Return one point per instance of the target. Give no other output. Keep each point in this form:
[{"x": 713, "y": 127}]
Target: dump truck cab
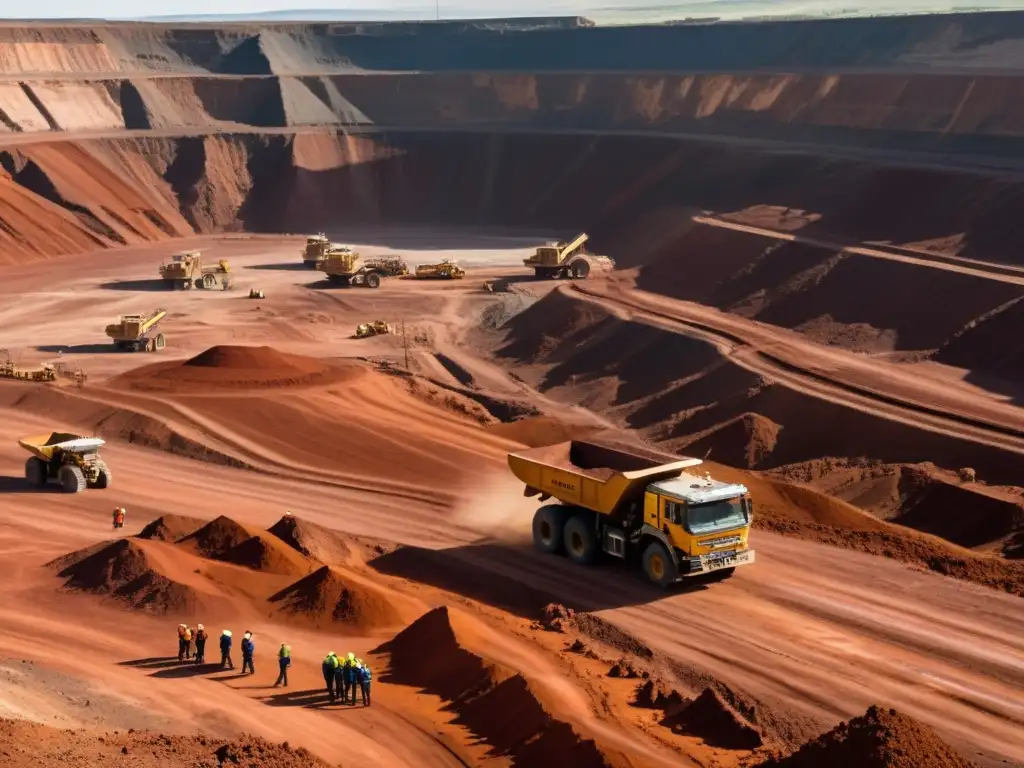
[
  {"x": 705, "y": 522},
  {"x": 316, "y": 249},
  {"x": 637, "y": 504}
]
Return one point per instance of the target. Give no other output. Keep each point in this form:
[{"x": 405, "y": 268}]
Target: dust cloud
[{"x": 494, "y": 506}]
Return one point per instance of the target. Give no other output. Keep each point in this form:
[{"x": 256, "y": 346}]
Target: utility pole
[
  {"x": 437, "y": 10},
  {"x": 405, "y": 346}
]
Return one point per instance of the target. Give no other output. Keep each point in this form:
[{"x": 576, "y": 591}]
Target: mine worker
[
  {"x": 225, "y": 650},
  {"x": 182, "y": 643},
  {"x": 119, "y": 513},
  {"x": 200, "y": 639},
  {"x": 284, "y": 660},
  {"x": 248, "y": 649},
  {"x": 188, "y": 641},
  {"x": 345, "y": 672},
  {"x": 365, "y": 676},
  {"x": 330, "y": 670}
]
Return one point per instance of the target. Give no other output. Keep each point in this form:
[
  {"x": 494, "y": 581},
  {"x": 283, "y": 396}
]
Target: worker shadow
[
  {"x": 313, "y": 698},
  {"x": 78, "y": 349},
  {"x": 501, "y": 574},
  {"x": 153, "y": 663},
  {"x": 186, "y": 669},
  {"x": 154, "y": 284}
]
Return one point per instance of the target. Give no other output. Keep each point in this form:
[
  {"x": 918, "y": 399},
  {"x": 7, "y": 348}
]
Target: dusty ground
[{"x": 813, "y": 633}]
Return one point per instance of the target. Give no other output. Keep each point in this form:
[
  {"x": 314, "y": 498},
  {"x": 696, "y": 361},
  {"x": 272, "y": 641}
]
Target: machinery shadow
[
  {"x": 288, "y": 267},
  {"x": 78, "y": 349},
  {"x": 504, "y": 576},
  {"x": 153, "y": 284},
  {"x": 501, "y": 284},
  {"x": 10, "y": 484}
]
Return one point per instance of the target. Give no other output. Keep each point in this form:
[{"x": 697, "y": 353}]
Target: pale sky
[{"x": 606, "y": 11}]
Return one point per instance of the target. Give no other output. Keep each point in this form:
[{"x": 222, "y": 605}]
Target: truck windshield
[{"x": 715, "y": 516}]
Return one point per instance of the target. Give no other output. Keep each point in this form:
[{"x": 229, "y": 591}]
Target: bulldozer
[
  {"x": 71, "y": 460},
  {"x": 376, "y": 328},
  {"x": 134, "y": 333},
  {"x": 445, "y": 270},
  {"x": 342, "y": 266},
  {"x": 555, "y": 260},
  {"x": 186, "y": 270},
  {"x": 256, "y": 293}
]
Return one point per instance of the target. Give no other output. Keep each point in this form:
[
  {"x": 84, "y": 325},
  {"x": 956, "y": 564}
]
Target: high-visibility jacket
[
  {"x": 284, "y": 652},
  {"x": 331, "y": 662}
]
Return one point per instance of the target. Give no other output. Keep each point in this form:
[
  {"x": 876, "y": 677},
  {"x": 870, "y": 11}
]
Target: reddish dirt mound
[
  {"x": 516, "y": 723},
  {"x": 28, "y": 745},
  {"x": 239, "y": 368},
  {"x": 216, "y": 538},
  {"x": 266, "y": 554},
  {"x": 171, "y": 527},
  {"x": 542, "y": 430},
  {"x": 745, "y": 441},
  {"x": 880, "y": 738},
  {"x": 711, "y": 718},
  {"x": 124, "y": 571},
  {"x": 327, "y": 545},
  {"x": 326, "y": 598},
  {"x": 447, "y": 670}
]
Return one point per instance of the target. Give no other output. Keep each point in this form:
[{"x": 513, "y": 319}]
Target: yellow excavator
[{"x": 134, "y": 333}]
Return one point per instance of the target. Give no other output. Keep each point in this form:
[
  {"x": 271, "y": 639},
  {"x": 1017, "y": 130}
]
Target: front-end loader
[
  {"x": 443, "y": 270},
  {"x": 569, "y": 259},
  {"x": 135, "y": 333},
  {"x": 375, "y": 328},
  {"x": 71, "y": 460}
]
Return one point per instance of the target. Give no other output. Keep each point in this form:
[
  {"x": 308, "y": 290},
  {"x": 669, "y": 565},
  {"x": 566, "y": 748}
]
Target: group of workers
[{"x": 343, "y": 677}]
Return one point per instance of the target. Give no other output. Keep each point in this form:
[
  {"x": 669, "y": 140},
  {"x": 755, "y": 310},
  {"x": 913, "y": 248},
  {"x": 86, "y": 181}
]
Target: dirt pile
[
  {"x": 231, "y": 367},
  {"x": 880, "y": 738},
  {"x": 449, "y": 670},
  {"x": 216, "y": 538},
  {"x": 328, "y": 598},
  {"x": 28, "y": 745},
  {"x": 123, "y": 570},
  {"x": 266, "y": 554},
  {"x": 326, "y": 545},
  {"x": 171, "y": 527},
  {"x": 498, "y": 704},
  {"x": 712, "y": 719},
  {"x": 536, "y": 431},
  {"x": 745, "y": 441}
]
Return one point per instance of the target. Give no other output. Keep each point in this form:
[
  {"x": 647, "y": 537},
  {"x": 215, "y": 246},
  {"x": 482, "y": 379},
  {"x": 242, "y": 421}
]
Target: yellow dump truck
[
  {"x": 134, "y": 333},
  {"x": 317, "y": 247},
  {"x": 569, "y": 259},
  {"x": 445, "y": 270},
  {"x": 186, "y": 270},
  {"x": 636, "y": 505},
  {"x": 72, "y": 460},
  {"x": 342, "y": 265}
]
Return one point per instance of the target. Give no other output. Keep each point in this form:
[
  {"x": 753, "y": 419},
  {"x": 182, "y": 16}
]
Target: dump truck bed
[
  {"x": 43, "y": 445},
  {"x": 591, "y": 475}
]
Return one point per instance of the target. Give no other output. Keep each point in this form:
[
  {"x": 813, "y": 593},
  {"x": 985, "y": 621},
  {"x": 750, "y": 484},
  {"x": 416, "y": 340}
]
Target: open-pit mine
[{"x": 330, "y": 311}]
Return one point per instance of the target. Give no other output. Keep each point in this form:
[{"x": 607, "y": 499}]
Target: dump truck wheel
[
  {"x": 35, "y": 472},
  {"x": 161, "y": 341},
  {"x": 548, "y": 529},
  {"x": 102, "y": 480},
  {"x": 209, "y": 281},
  {"x": 579, "y": 269},
  {"x": 580, "y": 539},
  {"x": 659, "y": 565},
  {"x": 373, "y": 280},
  {"x": 150, "y": 345},
  {"x": 71, "y": 479}
]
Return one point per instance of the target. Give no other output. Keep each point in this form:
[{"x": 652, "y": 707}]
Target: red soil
[
  {"x": 266, "y": 554},
  {"x": 124, "y": 571},
  {"x": 880, "y": 738},
  {"x": 171, "y": 527},
  {"x": 28, "y": 745},
  {"x": 216, "y": 538},
  {"x": 327, "y": 545},
  {"x": 715, "y": 721},
  {"x": 329, "y": 598},
  {"x": 238, "y": 368}
]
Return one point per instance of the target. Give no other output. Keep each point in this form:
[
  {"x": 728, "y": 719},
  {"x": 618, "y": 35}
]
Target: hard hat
[
  {"x": 199, "y": 626},
  {"x": 330, "y": 653},
  {"x": 352, "y": 656},
  {"x": 227, "y": 632}
]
